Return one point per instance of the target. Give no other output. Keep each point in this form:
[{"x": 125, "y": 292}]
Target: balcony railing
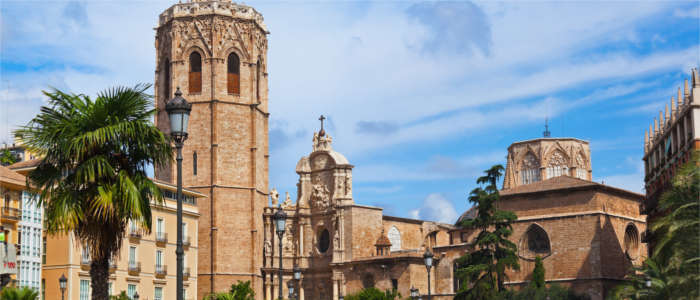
[
  {"x": 186, "y": 241},
  {"x": 85, "y": 262},
  {"x": 186, "y": 274},
  {"x": 11, "y": 213},
  {"x": 134, "y": 233},
  {"x": 161, "y": 270},
  {"x": 112, "y": 266},
  {"x": 161, "y": 237},
  {"x": 134, "y": 267}
]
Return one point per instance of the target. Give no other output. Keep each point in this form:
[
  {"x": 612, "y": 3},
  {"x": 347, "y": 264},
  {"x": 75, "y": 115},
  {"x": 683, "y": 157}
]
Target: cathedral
[{"x": 215, "y": 53}]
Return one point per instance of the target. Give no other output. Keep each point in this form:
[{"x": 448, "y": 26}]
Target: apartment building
[
  {"x": 12, "y": 185},
  {"x": 146, "y": 263},
  {"x": 30, "y": 232}
]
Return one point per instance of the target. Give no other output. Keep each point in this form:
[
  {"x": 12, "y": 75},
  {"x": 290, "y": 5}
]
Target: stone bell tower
[{"x": 215, "y": 52}]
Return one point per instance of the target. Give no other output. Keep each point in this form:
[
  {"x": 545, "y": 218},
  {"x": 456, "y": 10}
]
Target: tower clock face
[{"x": 324, "y": 240}]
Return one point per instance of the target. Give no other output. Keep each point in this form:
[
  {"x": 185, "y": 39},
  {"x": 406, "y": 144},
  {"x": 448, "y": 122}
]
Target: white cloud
[
  {"x": 687, "y": 13},
  {"x": 436, "y": 208}
]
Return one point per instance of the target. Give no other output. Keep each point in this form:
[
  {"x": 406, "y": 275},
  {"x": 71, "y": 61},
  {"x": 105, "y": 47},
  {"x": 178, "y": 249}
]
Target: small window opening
[{"x": 195, "y": 80}]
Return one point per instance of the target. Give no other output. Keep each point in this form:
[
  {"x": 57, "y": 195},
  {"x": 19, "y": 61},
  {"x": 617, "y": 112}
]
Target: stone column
[
  {"x": 268, "y": 295},
  {"x": 301, "y": 288},
  {"x": 335, "y": 289}
]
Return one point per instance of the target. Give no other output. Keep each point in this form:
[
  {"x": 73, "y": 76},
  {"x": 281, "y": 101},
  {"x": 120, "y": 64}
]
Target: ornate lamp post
[
  {"x": 414, "y": 293},
  {"x": 290, "y": 289},
  {"x": 178, "y": 110},
  {"x": 280, "y": 218},
  {"x": 428, "y": 258},
  {"x": 297, "y": 278},
  {"x": 62, "y": 284}
]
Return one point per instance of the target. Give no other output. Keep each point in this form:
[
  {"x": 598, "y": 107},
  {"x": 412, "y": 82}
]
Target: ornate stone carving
[
  {"x": 320, "y": 196},
  {"x": 267, "y": 249},
  {"x": 530, "y": 162},
  {"x": 580, "y": 162},
  {"x": 336, "y": 240},
  {"x": 274, "y": 197},
  {"x": 340, "y": 187},
  {"x": 322, "y": 142},
  {"x": 557, "y": 159},
  {"x": 287, "y": 201},
  {"x": 320, "y": 162},
  {"x": 348, "y": 184}
]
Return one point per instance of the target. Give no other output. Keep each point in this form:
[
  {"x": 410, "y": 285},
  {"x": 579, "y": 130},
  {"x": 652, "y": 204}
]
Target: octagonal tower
[
  {"x": 540, "y": 159},
  {"x": 216, "y": 53}
]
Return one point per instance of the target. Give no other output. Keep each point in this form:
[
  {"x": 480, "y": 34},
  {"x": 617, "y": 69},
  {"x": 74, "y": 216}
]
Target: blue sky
[{"x": 421, "y": 96}]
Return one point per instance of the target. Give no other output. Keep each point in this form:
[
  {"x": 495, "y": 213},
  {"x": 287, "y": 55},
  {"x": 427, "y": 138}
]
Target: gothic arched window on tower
[
  {"x": 535, "y": 242},
  {"x": 194, "y": 163},
  {"x": 233, "y": 78},
  {"x": 529, "y": 171},
  {"x": 195, "y": 80},
  {"x": 631, "y": 242},
  {"x": 166, "y": 79},
  {"x": 257, "y": 80}
]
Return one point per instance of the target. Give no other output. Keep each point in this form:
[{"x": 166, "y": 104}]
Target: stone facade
[
  {"x": 540, "y": 159},
  {"x": 669, "y": 143},
  {"x": 216, "y": 53}
]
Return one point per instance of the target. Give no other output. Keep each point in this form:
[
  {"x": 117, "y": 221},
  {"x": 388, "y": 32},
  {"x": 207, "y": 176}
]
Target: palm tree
[
  {"x": 673, "y": 270},
  {"x": 92, "y": 180},
  {"x": 25, "y": 293}
]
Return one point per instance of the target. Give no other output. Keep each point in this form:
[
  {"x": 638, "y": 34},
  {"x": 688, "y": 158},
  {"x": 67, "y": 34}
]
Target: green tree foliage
[
  {"x": 13, "y": 293},
  {"x": 239, "y": 291},
  {"x": 6, "y": 158},
  {"x": 553, "y": 292},
  {"x": 538, "y": 274},
  {"x": 483, "y": 270},
  {"x": 673, "y": 270},
  {"x": 374, "y": 294},
  {"x": 242, "y": 291},
  {"x": 92, "y": 180},
  {"x": 121, "y": 296}
]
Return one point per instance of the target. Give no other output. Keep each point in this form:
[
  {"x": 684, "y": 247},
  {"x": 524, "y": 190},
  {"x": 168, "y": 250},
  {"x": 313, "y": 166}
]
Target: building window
[
  {"x": 166, "y": 79},
  {"x": 395, "y": 239},
  {"x": 160, "y": 228},
  {"x": 581, "y": 173},
  {"x": 631, "y": 242},
  {"x": 43, "y": 289},
  {"x": 109, "y": 289},
  {"x": 195, "y": 79},
  {"x": 456, "y": 280},
  {"x": 394, "y": 284},
  {"x": 131, "y": 290},
  {"x": 233, "y": 79},
  {"x": 324, "y": 241},
  {"x": 257, "y": 80},
  {"x": 132, "y": 256},
  {"x": 535, "y": 243},
  {"x": 84, "y": 289},
  {"x": 555, "y": 171},
  {"x": 194, "y": 163},
  {"x": 43, "y": 252},
  {"x": 530, "y": 171},
  {"x": 159, "y": 261},
  {"x": 158, "y": 294}
]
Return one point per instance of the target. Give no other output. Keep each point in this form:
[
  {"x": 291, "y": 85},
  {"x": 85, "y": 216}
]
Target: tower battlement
[{"x": 224, "y": 8}]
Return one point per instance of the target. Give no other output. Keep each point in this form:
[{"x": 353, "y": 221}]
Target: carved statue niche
[
  {"x": 267, "y": 249},
  {"x": 287, "y": 201},
  {"x": 288, "y": 245},
  {"x": 320, "y": 195}
]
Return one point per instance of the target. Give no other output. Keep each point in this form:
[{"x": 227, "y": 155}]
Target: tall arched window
[
  {"x": 535, "y": 242},
  {"x": 529, "y": 171},
  {"x": 557, "y": 165},
  {"x": 395, "y": 238},
  {"x": 195, "y": 73},
  {"x": 631, "y": 242},
  {"x": 166, "y": 79},
  {"x": 233, "y": 78},
  {"x": 257, "y": 80},
  {"x": 194, "y": 163}
]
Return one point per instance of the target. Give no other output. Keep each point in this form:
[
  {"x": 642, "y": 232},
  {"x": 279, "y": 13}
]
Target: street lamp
[
  {"x": 414, "y": 293},
  {"x": 178, "y": 110},
  {"x": 136, "y": 296},
  {"x": 428, "y": 258},
  {"x": 280, "y": 218},
  {"x": 62, "y": 283},
  {"x": 297, "y": 278},
  {"x": 290, "y": 289}
]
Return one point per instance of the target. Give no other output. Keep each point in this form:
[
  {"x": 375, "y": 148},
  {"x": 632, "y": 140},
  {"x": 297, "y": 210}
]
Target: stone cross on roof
[{"x": 321, "y": 132}]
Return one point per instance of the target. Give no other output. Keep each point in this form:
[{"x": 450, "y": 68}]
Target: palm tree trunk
[{"x": 99, "y": 273}]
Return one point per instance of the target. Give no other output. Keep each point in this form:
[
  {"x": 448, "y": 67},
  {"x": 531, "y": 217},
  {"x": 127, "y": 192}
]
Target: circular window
[{"x": 324, "y": 241}]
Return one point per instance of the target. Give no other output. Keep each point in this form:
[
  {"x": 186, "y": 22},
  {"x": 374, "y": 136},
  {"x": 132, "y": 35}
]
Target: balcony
[
  {"x": 134, "y": 268},
  {"x": 85, "y": 262},
  {"x": 186, "y": 241},
  {"x": 161, "y": 271},
  {"x": 186, "y": 274},
  {"x": 134, "y": 234},
  {"x": 112, "y": 266},
  {"x": 161, "y": 238},
  {"x": 11, "y": 214}
]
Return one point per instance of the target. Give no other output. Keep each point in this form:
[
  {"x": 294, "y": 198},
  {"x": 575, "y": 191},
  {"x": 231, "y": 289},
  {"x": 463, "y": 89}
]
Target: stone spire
[
  {"x": 673, "y": 108},
  {"x": 646, "y": 140},
  {"x": 656, "y": 125},
  {"x": 686, "y": 93},
  {"x": 667, "y": 118},
  {"x": 651, "y": 134}
]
